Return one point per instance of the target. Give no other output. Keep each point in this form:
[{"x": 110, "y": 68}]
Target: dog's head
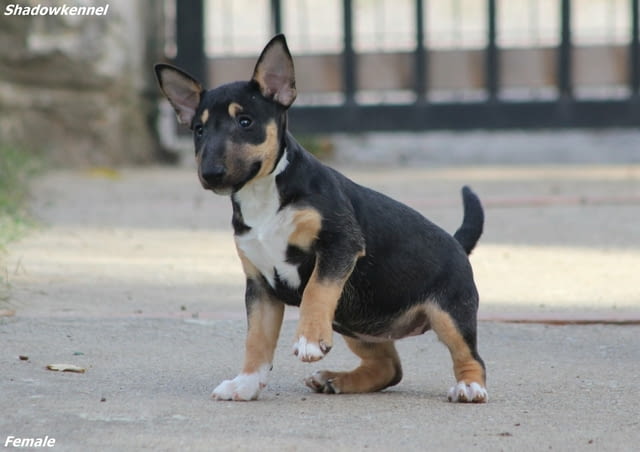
[{"x": 238, "y": 128}]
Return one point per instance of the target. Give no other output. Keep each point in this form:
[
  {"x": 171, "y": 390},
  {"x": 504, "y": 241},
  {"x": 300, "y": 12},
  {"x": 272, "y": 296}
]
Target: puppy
[{"x": 353, "y": 260}]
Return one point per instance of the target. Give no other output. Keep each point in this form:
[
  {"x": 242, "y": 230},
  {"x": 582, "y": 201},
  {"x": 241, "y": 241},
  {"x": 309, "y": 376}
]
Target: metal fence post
[
  {"x": 276, "y": 16},
  {"x": 566, "y": 110},
  {"x": 634, "y": 51},
  {"x": 420, "y": 58},
  {"x": 491, "y": 57},
  {"x": 565, "y": 89},
  {"x": 190, "y": 39},
  {"x": 348, "y": 54}
]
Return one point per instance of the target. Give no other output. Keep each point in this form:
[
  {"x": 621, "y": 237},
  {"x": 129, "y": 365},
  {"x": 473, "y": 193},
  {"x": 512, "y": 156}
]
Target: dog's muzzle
[{"x": 212, "y": 176}]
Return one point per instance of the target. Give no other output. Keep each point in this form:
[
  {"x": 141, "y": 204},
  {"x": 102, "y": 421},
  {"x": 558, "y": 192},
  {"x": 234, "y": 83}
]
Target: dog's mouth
[
  {"x": 227, "y": 187},
  {"x": 217, "y": 189}
]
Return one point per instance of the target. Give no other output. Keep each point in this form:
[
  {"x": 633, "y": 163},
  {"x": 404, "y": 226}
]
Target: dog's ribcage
[{"x": 265, "y": 244}]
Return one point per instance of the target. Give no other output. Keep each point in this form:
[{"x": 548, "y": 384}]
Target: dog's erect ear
[
  {"x": 274, "y": 72},
  {"x": 182, "y": 90}
]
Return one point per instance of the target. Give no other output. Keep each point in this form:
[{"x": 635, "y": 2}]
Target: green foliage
[
  {"x": 319, "y": 145},
  {"x": 16, "y": 167}
]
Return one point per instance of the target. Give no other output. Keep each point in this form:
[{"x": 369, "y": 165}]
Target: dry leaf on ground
[{"x": 66, "y": 368}]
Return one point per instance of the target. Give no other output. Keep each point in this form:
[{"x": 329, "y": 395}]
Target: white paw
[
  {"x": 463, "y": 392},
  {"x": 243, "y": 387},
  {"x": 309, "y": 351}
]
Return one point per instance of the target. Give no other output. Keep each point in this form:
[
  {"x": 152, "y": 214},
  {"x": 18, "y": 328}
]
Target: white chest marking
[{"x": 265, "y": 244}]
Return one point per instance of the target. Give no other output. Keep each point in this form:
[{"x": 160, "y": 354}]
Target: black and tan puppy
[{"x": 353, "y": 260}]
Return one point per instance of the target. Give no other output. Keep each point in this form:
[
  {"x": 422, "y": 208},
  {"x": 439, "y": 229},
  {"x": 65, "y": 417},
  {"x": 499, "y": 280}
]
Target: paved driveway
[{"x": 133, "y": 276}]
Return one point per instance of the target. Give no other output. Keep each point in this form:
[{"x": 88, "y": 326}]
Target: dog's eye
[
  {"x": 245, "y": 122},
  {"x": 198, "y": 130}
]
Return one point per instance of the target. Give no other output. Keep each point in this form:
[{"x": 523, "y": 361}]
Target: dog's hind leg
[
  {"x": 380, "y": 368},
  {"x": 467, "y": 365}
]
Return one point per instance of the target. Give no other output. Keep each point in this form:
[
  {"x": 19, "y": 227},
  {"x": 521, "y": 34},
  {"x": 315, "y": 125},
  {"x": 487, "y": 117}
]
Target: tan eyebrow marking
[
  {"x": 234, "y": 109},
  {"x": 205, "y": 116}
]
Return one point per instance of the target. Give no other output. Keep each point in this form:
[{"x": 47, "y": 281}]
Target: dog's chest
[{"x": 265, "y": 243}]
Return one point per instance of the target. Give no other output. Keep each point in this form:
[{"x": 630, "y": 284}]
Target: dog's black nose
[{"x": 213, "y": 175}]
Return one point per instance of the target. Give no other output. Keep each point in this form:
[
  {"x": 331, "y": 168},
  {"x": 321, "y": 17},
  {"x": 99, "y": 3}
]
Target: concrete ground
[{"x": 132, "y": 275}]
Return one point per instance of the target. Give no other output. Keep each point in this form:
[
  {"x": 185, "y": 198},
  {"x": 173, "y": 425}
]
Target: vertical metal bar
[
  {"x": 491, "y": 53},
  {"x": 565, "y": 88},
  {"x": 634, "y": 50},
  {"x": 420, "y": 73},
  {"x": 348, "y": 54},
  {"x": 276, "y": 16},
  {"x": 190, "y": 38}
]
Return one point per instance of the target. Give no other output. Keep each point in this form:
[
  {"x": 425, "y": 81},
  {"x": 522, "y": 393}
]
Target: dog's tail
[{"x": 473, "y": 222}]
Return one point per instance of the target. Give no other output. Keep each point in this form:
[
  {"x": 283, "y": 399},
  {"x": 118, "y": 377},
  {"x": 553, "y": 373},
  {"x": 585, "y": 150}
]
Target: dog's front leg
[
  {"x": 264, "y": 316},
  {"x": 314, "y": 337}
]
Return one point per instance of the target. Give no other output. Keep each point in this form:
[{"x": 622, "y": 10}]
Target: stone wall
[{"x": 80, "y": 89}]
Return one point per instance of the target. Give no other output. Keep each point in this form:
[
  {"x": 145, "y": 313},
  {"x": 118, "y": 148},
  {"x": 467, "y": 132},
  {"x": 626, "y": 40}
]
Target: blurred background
[
  {"x": 534, "y": 103},
  {"x": 80, "y": 90},
  {"x": 110, "y": 251}
]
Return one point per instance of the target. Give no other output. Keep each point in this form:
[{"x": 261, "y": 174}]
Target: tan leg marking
[
  {"x": 379, "y": 368},
  {"x": 412, "y": 322},
  {"x": 308, "y": 224},
  {"x": 250, "y": 270},
  {"x": 314, "y": 337},
  {"x": 265, "y": 320},
  {"x": 465, "y": 367},
  {"x": 204, "y": 117}
]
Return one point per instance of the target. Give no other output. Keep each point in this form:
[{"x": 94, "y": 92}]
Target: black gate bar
[
  {"x": 420, "y": 57},
  {"x": 491, "y": 54},
  {"x": 190, "y": 38},
  {"x": 276, "y": 16},
  {"x": 348, "y": 55},
  {"x": 494, "y": 112},
  {"x": 565, "y": 88},
  {"x": 634, "y": 50}
]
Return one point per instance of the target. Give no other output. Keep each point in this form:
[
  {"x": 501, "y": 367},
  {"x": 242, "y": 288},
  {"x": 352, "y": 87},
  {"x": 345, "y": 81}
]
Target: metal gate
[{"x": 491, "y": 110}]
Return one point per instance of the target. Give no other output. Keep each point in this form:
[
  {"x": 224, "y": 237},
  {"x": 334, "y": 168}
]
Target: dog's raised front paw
[
  {"x": 242, "y": 388},
  {"x": 467, "y": 393},
  {"x": 308, "y": 351}
]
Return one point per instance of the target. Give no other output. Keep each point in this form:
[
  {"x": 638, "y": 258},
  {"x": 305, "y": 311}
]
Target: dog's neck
[{"x": 261, "y": 196}]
